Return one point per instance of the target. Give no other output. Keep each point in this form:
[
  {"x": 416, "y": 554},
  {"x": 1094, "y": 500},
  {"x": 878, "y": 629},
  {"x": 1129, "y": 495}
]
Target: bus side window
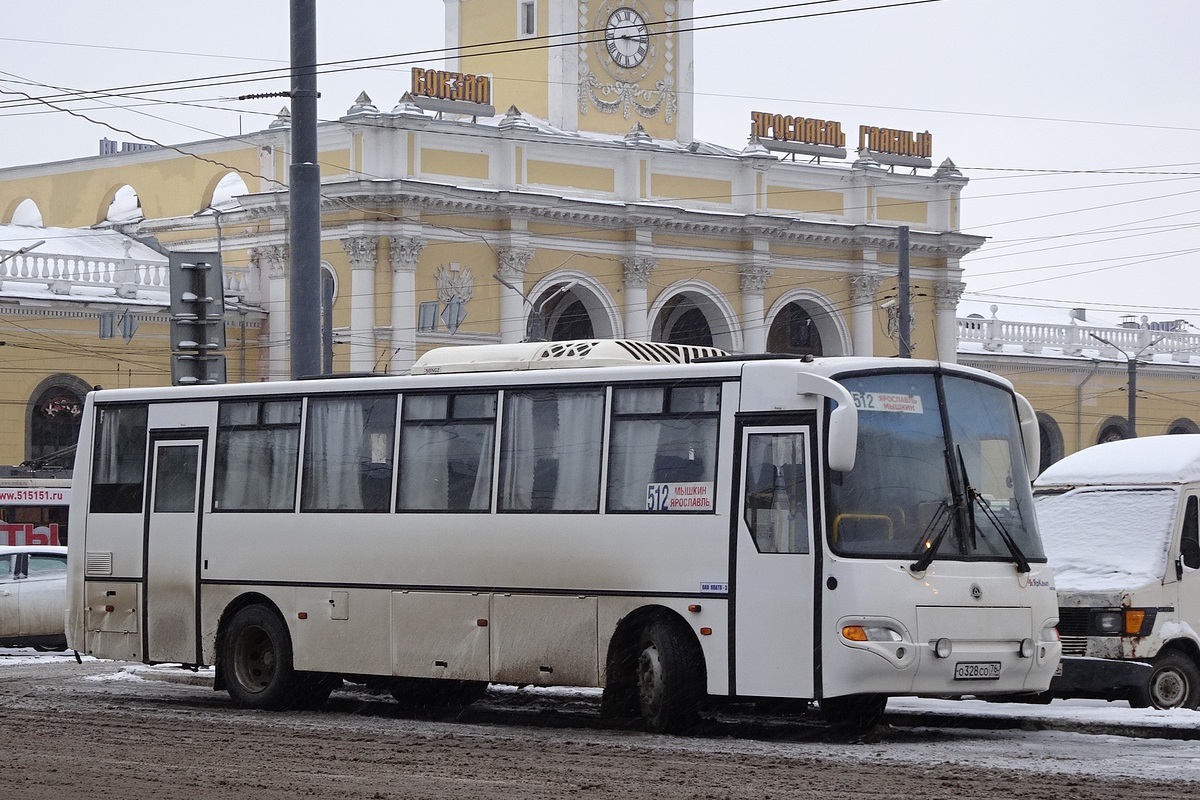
[
  {"x": 776, "y": 502},
  {"x": 348, "y": 453},
  {"x": 661, "y": 435},
  {"x": 551, "y": 450},
  {"x": 446, "y": 447},
  {"x": 119, "y": 460},
  {"x": 258, "y": 446}
]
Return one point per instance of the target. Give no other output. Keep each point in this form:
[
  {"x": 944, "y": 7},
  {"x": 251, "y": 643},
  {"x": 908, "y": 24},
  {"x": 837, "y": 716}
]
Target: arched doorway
[
  {"x": 695, "y": 314},
  {"x": 794, "y": 331},
  {"x": 1182, "y": 425},
  {"x": 1114, "y": 429},
  {"x": 52, "y": 421},
  {"x": 1050, "y": 440},
  {"x": 572, "y": 306}
]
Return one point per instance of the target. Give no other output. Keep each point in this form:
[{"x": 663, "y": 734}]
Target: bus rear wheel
[
  {"x": 256, "y": 660},
  {"x": 668, "y": 688}
]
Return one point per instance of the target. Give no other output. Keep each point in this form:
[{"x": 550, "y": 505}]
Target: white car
[{"x": 33, "y": 596}]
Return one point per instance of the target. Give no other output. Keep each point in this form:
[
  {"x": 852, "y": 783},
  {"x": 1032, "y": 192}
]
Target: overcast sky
[{"x": 1077, "y": 121}]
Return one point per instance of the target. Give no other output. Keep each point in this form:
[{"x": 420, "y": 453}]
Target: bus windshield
[{"x": 913, "y": 477}]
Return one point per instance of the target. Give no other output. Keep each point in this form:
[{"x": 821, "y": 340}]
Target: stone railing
[
  {"x": 60, "y": 274},
  {"x": 1073, "y": 339}
]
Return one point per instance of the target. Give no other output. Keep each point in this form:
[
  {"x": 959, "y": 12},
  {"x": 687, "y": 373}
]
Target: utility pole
[
  {"x": 903, "y": 291},
  {"x": 1131, "y": 362},
  {"x": 304, "y": 190}
]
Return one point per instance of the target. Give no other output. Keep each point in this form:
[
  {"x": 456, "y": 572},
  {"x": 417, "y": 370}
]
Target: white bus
[{"x": 662, "y": 521}]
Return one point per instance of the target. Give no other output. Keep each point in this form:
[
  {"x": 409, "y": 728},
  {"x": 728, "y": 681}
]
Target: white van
[{"x": 1119, "y": 522}]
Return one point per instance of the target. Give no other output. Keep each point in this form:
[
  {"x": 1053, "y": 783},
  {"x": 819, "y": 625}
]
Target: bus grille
[{"x": 1073, "y": 630}]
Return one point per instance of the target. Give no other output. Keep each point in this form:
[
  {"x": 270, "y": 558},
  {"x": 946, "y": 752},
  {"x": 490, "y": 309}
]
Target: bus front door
[
  {"x": 172, "y": 541},
  {"x": 775, "y": 570}
]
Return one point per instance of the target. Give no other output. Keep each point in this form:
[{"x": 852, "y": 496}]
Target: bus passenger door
[
  {"x": 773, "y": 590},
  {"x": 172, "y": 547}
]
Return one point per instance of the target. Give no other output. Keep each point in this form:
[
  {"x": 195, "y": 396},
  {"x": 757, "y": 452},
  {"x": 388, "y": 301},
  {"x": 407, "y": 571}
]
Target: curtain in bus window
[
  {"x": 551, "y": 453},
  {"x": 445, "y": 463},
  {"x": 258, "y": 445},
  {"x": 119, "y": 460},
  {"x": 348, "y": 454}
]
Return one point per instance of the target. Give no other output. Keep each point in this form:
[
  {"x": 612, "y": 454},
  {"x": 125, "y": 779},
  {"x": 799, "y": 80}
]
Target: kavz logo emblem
[{"x": 976, "y": 592}]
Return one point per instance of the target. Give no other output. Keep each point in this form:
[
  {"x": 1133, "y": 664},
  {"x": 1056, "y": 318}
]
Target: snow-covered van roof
[{"x": 1158, "y": 460}]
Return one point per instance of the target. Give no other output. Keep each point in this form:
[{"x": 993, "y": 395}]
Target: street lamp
[
  {"x": 535, "y": 329},
  {"x": 1131, "y": 363}
]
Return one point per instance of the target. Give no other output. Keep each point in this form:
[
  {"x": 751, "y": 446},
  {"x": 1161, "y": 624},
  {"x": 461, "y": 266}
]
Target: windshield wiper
[
  {"x": 943, "y": 515},
  {"x": 975, "y": 498}
]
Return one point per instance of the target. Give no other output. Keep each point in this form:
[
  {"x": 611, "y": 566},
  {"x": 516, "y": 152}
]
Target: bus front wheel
[
  {"x": 668, "y": 690},
  {"x": 855, "y": 712},
  {"x": 256, "y": 660}
]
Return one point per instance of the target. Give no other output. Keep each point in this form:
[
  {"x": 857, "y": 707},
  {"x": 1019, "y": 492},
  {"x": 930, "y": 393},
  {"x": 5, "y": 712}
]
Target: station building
[{"x": 554, "y": 190}]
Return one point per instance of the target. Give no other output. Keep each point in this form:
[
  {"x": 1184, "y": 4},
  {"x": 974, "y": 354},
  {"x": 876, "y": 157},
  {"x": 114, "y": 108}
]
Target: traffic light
[{"x": 197, "y": 318}]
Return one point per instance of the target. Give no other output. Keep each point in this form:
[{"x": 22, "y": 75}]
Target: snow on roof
[
  {"x": 1149, "y": 460},
  {"x": 1104, "y": 539},
  {"x": 77, "y": 243}
]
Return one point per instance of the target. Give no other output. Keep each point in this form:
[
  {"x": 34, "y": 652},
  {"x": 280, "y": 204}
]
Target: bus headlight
[
  {"x": 871, "y": 633},
  {"x": 942, "y": 648},
  {"x": 1026, "y": 648}
]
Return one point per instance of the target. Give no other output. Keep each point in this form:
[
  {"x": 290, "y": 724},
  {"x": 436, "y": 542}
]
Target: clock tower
[{"x": 582, "y": 65}]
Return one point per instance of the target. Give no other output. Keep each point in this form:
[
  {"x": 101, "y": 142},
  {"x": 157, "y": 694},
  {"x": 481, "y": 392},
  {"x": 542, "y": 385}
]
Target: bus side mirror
[
  {"x": 1030, "y": 436},
  {"x": 843, "y": 420},
  {"x": 1189, "y": 553}
]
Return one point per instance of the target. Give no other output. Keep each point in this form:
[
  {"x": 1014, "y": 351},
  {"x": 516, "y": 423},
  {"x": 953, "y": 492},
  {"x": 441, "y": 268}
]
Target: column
[
  {"x": 361, "y": 250},
  {"x": 512, "y": 304},
  {"x": 945, "y": 302},
  {"x": 404, "y": 252},
  {"x": 862, "y": 313},
  {"x": 272, "y": 261},
  {"x": 637, "y": 278},
  {"x": 754, "y": 328}
]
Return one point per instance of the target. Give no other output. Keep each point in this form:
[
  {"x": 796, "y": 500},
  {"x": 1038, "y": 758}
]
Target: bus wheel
[
  {"x": 256, "y": 660},
  {"x": 314, "y": 688},
  {"x": 668, "y": 690},
  {"x": 856, "y": 712},
  {"x": 1174, "y": 683}
]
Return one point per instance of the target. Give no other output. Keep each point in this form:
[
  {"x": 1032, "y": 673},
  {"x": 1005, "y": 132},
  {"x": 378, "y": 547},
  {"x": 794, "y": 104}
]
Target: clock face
[{"x": 626, "y": 38}]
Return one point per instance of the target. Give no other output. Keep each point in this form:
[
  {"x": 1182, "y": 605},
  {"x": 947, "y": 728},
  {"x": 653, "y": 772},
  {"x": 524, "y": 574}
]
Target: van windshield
[
  {"x": 1107, "y": 538},
  {"x": 915, "y": 467}
]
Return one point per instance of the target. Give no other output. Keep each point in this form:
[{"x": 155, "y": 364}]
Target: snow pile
[
  {"x": 1145, "y": 460},
  {"x": 1106, "y": 539}
]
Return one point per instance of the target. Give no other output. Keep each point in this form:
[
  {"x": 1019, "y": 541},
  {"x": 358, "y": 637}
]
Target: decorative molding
[
  {"x": 404, "y": 252},
  {"x": 455, "y": 284},
  {"x": 361, "y": 250},
  {"x": 754, "y": 278},
  {"x": 946, "y": 296},
  {"x": 637, "y": 271},
  {"x": 864, "y": 287},
  {"x": 275, "y": 256},
  {"x": 627, "y": 98},
  {"x": 513, "y": 262}
]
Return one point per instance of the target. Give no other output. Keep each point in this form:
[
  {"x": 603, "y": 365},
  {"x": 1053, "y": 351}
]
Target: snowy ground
[{"x": 1067, "y": 737}]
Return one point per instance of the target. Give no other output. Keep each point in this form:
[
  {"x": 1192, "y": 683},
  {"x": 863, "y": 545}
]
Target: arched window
[
  {"x": 27, "y": 213},
  {"x": 1182, "y": 425},
  {"x": 53, "y": 418},
  {"x": 794, "y": 331},
  {"x": 1050, "y": 440},
  {"x": 567, "y": 318},
  {"x": 683, "y": 322},
  {"x": 125, "y": 207},
  {"x": 1114, "y": 429}
]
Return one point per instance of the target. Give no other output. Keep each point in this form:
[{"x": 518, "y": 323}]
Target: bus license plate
[{"x": 977, "y": 671}]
